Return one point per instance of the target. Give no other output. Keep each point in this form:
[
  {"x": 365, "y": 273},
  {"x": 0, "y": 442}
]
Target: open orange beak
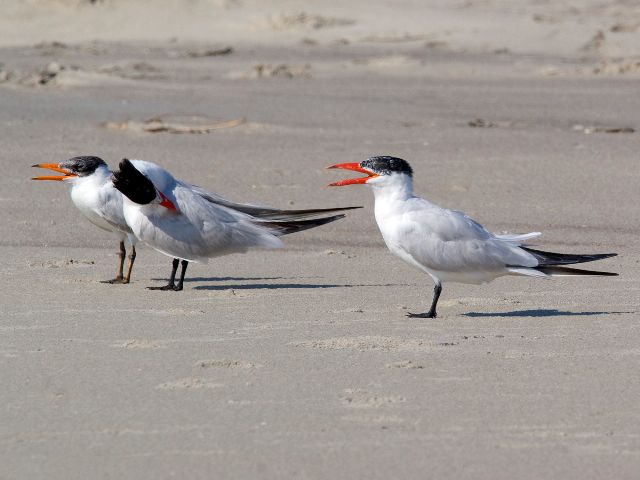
[
  {"x": 352, "y": 181},
  {"x": 56, "y": 168}
]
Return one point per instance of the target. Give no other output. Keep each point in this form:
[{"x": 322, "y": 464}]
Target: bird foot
[
  {"x": 428, "y": 314},
  {"x": 116, "y": 280},
  {"x": 171, "y": 286}
]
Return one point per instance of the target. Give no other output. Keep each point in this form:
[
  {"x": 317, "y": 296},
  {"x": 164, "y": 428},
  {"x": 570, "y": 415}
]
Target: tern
[
  {"x": 447, "y": 244},
  {"x": 93, "y": 193},
  {"x": 188, "y": 223}
]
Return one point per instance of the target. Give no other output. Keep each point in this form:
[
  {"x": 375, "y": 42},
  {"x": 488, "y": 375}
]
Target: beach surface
[{"x": 301, "y": 362}]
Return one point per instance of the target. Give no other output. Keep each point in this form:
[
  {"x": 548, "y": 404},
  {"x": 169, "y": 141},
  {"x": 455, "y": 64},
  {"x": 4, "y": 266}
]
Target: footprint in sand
[
  {"x": 306, "y": 21},
  {"x": 406, "y": 364},
  {"x": 133, "y": 71},
  {"x": 141, "y": 343},
  {"x": 175, "y": 123},
  {"x": 62, "y": 263},
  {"x": 188, "y": 383},
  {"x": 384, "y": 422},
  {"x": 59, "y": 75},
  {"x": 358, "y": 398},
  {"x": 265, "y": 70},
  {"x": 385, "y": 64},
  {"x": 365, "y": 343},
  {"x": 227, "y": 364}
]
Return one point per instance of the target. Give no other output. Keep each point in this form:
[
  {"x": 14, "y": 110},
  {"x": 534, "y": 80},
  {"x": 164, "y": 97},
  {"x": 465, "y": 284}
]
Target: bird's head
[
  {"x": 134, "y": 185},
  {"x": 71, "y": 169},
  {"x": 380, "y": 171}
]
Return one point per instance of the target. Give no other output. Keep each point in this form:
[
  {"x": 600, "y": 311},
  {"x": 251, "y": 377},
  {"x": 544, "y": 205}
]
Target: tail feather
[
  {"x": 550, "y": 258},
  {"x": 284, "y": 215},
  {"x": 267, "y": 213},
  {"x": 285, "y": 227},
  {"x": 557, "y": 271},
  {"x": 517, "y": 237}
]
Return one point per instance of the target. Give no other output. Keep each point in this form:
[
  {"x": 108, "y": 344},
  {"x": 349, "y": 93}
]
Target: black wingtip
[
  {"x": 313, "y": 211},
  {"x": 552, "y": 258},
  {"x": 274, "y": 214},
  {"x": 285, "y": 227},
  {"x": 566, "y": 271}
]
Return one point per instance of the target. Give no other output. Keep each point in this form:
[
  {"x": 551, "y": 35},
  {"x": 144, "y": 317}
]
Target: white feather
[
  {"x": 199, "y": 230},
  {"x": 446, "y": 244},
  {"x": 517, "y": 238},
  {"x": 98, "y": 201}
]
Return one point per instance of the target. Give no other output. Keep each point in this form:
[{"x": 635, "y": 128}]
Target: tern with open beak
[
  {"x": 93, "y": 193},
  {"x": 447, "y": 244},
  {"x": 190, "y": 224}
]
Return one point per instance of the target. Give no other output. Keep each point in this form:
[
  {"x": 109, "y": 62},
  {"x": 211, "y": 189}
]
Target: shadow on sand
[
  {"x": 231, "y": 279},
  {"x": 269, "y": 286},
  {"x": 228, "y": 279},
  {"x": 538, "y": 313},
  {"x": 284, "y": 286}
]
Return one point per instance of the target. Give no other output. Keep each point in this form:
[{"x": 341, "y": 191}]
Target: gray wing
[
  {"x": 110, "y": 208},
  {"x": 202, "y": 229},
  {"x": 449, "y": 240}
]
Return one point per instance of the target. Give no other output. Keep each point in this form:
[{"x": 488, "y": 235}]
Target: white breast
[{"x": 99, "y": 201}]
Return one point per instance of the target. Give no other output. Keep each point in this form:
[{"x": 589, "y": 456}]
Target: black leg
[
  {"x": 132, "y": 258},
  {"x": 182, "y": 272},
  {"x": 171, "y": 285},
  {"x": 121, "y": 256},
  {"x": 432, "y": 311}
]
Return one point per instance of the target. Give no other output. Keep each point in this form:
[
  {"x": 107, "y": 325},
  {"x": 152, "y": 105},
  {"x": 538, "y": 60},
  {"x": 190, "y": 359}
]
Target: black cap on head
[
  {"x": 385, "y": 165},
  {"x": 83, "y": 166},
  {"x": 133, "y": 184}
]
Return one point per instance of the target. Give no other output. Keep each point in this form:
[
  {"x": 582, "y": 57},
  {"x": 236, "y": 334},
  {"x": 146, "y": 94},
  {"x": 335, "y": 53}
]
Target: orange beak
[
  {"x": 352, "y": 181},
  {"x": 166, "y": 203},
  {"x": 56, "y": 168}
]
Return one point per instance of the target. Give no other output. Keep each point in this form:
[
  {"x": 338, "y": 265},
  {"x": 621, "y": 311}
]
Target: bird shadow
[
  {"x": 284, "y": 286},
  {"x": 227, "y": 279},
  {"x": 538, "y": 313}
]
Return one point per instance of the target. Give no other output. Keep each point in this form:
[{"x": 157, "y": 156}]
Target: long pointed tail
[
  {"x": 268, "y": 213},
  {"x": 285, "y": 227},
  {"x": 278, "y": 215},
  {"x": 550, "y": 258},
  {"x": 557, "y": 271}
]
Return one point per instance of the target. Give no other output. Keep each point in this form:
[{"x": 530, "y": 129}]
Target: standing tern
[
  {"x": 93, "y": 193},
  {"x": 192, "y": 225},
  {"x": 447, "y": 244}
]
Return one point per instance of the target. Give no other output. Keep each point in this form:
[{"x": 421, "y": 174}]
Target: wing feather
[{"x": 450, "y": 241}]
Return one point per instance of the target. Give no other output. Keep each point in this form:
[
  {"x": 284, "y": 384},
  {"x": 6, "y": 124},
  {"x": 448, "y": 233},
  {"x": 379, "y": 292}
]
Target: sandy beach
[{"x": 301, "y": 362}]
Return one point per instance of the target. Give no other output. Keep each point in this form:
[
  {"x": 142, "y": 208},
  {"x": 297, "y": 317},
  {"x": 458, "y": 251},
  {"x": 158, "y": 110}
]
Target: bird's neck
[
  {"x": 395, "y": 188},
  {"x": 93, "y": 181}
]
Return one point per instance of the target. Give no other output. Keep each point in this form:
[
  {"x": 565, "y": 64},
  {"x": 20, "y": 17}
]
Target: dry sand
[{"x": 300, "y": 363}]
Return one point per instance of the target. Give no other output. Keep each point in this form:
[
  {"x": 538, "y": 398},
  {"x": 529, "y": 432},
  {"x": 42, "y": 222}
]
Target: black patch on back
[
  {"x": 384, "y": 165},
  {"x": 83, "y": 166},
  {"x": 133, "y": 184}
]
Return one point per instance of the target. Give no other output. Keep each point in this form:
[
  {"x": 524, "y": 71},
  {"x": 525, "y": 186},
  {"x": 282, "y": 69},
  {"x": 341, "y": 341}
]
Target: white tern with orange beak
[
  {"x": 188, "y": 223},
  {"x": 92, "y": 192},
  {"x": 447, "y": 244}
]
